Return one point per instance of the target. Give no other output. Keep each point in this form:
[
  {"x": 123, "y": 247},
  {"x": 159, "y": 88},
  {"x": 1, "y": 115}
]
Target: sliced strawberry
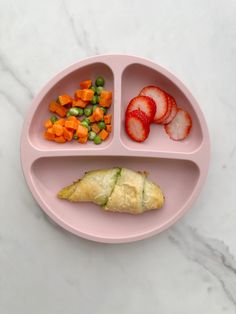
[
  {"x": 173, "y": 111},
  {"x": 179, "y": 128},
  {"x": 168, "y": 111},
  {"x": 137, "y": 125},
  {"x": 160, "y": 99},
  {"x": 143, "y": 103}
]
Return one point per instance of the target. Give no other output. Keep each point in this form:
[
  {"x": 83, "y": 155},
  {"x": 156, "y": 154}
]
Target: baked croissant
[{"x": 117, "y": 190}]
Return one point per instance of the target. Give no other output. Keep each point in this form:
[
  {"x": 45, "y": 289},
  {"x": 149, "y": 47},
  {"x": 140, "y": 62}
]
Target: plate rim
[{"x": 205, "y": 141}]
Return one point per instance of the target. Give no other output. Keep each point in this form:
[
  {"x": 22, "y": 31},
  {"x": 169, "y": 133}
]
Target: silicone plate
[{"x": 179, "y": 168}]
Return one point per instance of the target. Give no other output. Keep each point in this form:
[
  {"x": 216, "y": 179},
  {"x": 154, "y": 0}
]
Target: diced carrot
[
  {"x": 53, "y": 106},
  {"x": 68, "y": 135},
  {"x": 105, "y": 94},
  {"x": 91, "y": 118},
  {"x": 85, "y": 84},
  {"x": 83, "y": 140},
  {"x": 71, "y": 124},
  {"x": 98, "y": 114},
  {"x": 87, "y": 94},
  {"x": 60, "y": 121},
  {"x": 49, "y": 136},
  {"x": 78, "y": 94},
  {"x": 109, "y": 128},
  {"x": 65, "y": 100},
  {"x": 103, "y": 134},
  {"x": 107, "y": 118},
  {"x": 105, "y": 99},
  {"x": 95, "y": 128},
  {"x": 57, "y": 129},
  {"x": 60, "y": 139},
  {"x": 75, "y": 124},
  {"x": 48, "y": 124},
  {"x": 105, "y": 102},
  {"x": 80, "y": 103},
  {"x": 82, "y": 131},
  {"x": 74, "y": 103},
  {"x": 61, "y": 111},
  {"x": 72, "y": 118},
  {"x": 84, "y": 94},
  {"x": 50, "y": 130}
]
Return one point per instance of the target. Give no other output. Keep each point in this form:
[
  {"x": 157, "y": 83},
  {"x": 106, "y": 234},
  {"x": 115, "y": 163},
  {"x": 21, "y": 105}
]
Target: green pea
[
  {"x": 75, "y": 137},
  {"x": 100, "y": 81},
  {"x": 53, "y": 119},
  {"x": 91, "y": 135},
  {"x": 97, "y": 140},
  {"x": 88, "y": 111},
  {"x": 94, "y": 89},
  {"x": 68, "y": 114},
  {"x": 80, "y": 112},
  {"x": 101, "y": 125},
  {"x": 104, "y": 109},
  {"x": 94, "y": 107},
  {"x": 74, "y": 111},
  {"x": 86, "y": 120},
  {"x": 84, "y": 123},
  {"x": 94, "y": 100},
  {"x": 99, "y": 89}
]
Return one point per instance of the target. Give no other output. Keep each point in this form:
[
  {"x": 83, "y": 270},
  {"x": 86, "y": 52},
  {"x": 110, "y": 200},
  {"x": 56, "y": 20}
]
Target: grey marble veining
[
  {"x": 190, "y": 268},
  {"x": 211, "y": 254}
]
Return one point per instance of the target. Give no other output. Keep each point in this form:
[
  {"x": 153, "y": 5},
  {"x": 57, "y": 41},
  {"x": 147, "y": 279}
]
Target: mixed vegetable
[{"x": 82, "y": 118}]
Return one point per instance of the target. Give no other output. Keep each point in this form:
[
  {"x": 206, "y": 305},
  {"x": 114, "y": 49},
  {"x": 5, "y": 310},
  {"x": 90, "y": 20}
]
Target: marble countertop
[{"x": 191, "y": 267}]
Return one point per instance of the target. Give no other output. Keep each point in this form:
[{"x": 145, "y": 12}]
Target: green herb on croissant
[{"x": 117, "y": 190}]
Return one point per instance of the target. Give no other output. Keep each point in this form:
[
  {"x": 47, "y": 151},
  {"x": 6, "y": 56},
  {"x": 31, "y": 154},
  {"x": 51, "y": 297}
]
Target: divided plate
[{"x": 179, "y": 168}]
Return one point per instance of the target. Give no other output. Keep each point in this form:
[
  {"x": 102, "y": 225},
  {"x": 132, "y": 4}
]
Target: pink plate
[{"x": 180, "y": 168}]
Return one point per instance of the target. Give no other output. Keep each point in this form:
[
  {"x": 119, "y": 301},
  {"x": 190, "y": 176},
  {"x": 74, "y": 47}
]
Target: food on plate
[
  {"x": 160, "y": 99},
  {"x": 180, "y": 126},
  {"x": 137, "y": 125},
  {"x": 117, "y": 190},
  {"x": 105, "y": 98},
  {"x": 143, "y": 103},
  {"x": 57, "y": 108},
  {"x": 169, "y": 107},
  {"x": 154, "y": 105},
  {"x": 99, "y": 81},
  {"x": 64, "y": 100},
  {"x": 81, "y": 117},
  {"x": 85, "y": 84},
  {"x": 173, "y": 110}
]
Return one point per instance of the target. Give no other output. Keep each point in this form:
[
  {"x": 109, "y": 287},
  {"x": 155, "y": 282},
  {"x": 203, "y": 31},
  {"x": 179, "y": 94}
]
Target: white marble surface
[{"x": 191, "y": 268}]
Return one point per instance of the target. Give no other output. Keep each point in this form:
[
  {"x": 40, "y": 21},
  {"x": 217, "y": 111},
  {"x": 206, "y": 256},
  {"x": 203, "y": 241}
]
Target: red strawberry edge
[
  {"x": 160, "y": 99},
  {"x": 143, "y": 103},
  {"x": 168, "y": 111},
  {"x": 137, "y": 125},
  {"x": 179, "y": 128},
  {"x": 173, "y": 111}
]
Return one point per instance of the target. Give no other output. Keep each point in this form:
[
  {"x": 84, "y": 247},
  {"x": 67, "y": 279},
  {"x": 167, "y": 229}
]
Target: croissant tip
[{"x": 62, "y": 194}]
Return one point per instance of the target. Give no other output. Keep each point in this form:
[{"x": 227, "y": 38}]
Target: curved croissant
[{"x": 117, "y": 190}]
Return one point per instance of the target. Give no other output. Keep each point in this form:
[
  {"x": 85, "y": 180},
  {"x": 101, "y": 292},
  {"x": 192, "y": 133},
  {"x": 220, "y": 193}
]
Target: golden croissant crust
[{"x": 118, "y": 190}]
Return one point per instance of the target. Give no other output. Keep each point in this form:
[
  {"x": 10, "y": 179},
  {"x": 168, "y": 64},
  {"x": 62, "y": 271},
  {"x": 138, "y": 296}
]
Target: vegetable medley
[{"x": 82, "y": 118}]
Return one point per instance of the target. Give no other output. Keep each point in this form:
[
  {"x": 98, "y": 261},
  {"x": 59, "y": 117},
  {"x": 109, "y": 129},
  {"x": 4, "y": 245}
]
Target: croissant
[{"x": 117, "y": 190}]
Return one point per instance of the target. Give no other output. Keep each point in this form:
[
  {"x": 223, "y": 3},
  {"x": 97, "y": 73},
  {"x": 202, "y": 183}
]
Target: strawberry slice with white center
[
  {"x": 179, "y": 128},
  {"x": 143, "y": 103},
  {"x": 168, "y": 111},
  {"x": 173, "y": 111},
  {"x": 137, "y": 125},
  {"x": 160, "y": 99}
]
